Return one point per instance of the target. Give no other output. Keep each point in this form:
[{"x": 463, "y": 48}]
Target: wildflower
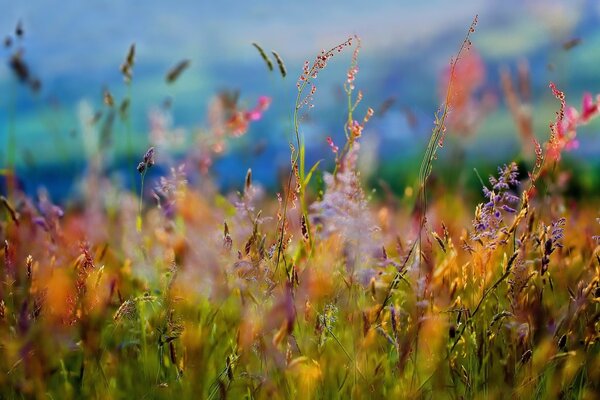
[
  {"x": 170, "y": 189},
  {"x": 552, "y": 239},
  {"x": 240, "y": 119},
  {"x": 563, "y": 130},
  {"x": 353, "y": 70},
  {"x": 147, "y": 162},
  {"x": 589, "y": 109},
  {"x": 238, "y": 123},
  {"x": 50, "y": 214},
  {"x": 262, "y": 105},
  {"x": 332, "y": 145},
  {"x": 344, "y": 211},
  {"x": 488, "y": 215},
  {"x": 311, "y": 71},
  {"x": 355, "y": 128}
]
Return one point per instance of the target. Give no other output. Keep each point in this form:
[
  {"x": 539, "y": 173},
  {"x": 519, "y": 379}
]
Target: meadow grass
[{"x": 305, "y": 294}]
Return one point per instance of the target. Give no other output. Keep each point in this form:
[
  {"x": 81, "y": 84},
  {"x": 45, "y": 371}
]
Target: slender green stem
[
  {"x": 141, "y": 206},
  {"x": 129, "y": 161},
  {"x": 350, "y": 358}
]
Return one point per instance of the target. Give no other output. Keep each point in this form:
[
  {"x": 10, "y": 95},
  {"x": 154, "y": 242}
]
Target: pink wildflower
[
  {"x": 568, "y": 119},
  {"x": 239, "y": 121},
  {"x": 332, "y": 145}
]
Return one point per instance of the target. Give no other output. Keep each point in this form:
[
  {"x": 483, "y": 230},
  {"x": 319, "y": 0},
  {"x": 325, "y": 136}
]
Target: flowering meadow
[{"x": 321, "y": 288}]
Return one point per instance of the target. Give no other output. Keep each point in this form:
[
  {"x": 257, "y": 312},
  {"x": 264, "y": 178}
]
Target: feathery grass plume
[
  {"x": 435, "y": 142},
  {"x": 130, "y": 56},
  {"x": 127, "y": 310},
  {"x": 264, "y": 56},
  {"x": 176, "y": 71},
  {"x": 127, "y": 66},
  {"x": 343, "y": 212},
  {"x": 550, "y": 238},
  {"x": 352, "y": 128},
  {"x": 518, "y": 282},
  {"x": 280, "y": 64},
  {"x": 108, "y": 98},
  {"x": 309, "y": 73},
  {"x": 439, "y": 130}
]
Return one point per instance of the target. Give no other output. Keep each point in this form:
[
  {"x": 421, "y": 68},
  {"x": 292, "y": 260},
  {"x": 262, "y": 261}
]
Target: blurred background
[{"x": 73, "y": 51}]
